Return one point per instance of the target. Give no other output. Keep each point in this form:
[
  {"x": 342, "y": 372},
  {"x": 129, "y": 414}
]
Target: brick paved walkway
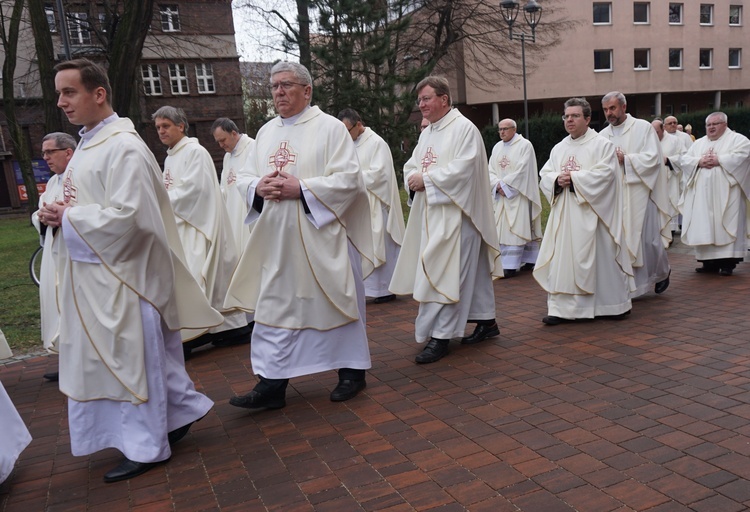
[{"x": 647, "y": 414}]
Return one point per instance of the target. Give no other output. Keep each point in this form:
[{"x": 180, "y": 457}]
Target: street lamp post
[{"x": 532, "y": 13}]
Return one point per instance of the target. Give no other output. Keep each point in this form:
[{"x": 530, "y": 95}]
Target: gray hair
[
  {"x": 62, "y": 140},
  {"x": 225, "y": 124},
  {"x": 439, "y": 84},
  {"x": 721, "y": 115},
  {"x": 300, "y": 72},
  {"x": 174, "y": 114},
  {"x": 620, "y": 97},
  {"x": 350, "y": 115},
  {"x": 512, "y": 123},
  {"x": 580, "y": 102}
]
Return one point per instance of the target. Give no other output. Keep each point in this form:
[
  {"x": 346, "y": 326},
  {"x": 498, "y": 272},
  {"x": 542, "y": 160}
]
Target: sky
[{"x": 247, "y": 46}]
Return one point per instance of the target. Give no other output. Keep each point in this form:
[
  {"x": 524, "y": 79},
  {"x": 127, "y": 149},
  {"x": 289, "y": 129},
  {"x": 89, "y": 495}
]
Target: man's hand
[
  {"x": 620, "y": 155},
  {"x": 52, "y": 214},
  {"x": 709, "y": 160},
  {"x": 289, "y": 188},
  {"x": 416, "y": 182},
  {"x": 564, "y": 179},
  {"x": 500, "y": 190}
]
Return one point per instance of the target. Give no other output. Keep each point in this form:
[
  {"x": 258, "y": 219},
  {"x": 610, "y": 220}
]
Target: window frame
[
  {"x": 78, "y": 27},
  {"x": 738, "y": 52},
  {"x": 51, "y": 15},
  {"x": 710, "y": 53},
  {"x": 682, "y": 13},
  {"x": 151, "y": 80},
  {"x": 608, "y": 5},
  {"x": 647, "y": 5},
  {"x": 710, "y": 14},
  {"x": 170, "y": 16},
  {"x": 204, "y": 78},
  {"x": 610, "y": 53},
  {"x": 647, "y": 67},
  {"x": 681, "y": 54},
  {"x": 175, "y": 78},
  {"x": 738, "y": 23}
]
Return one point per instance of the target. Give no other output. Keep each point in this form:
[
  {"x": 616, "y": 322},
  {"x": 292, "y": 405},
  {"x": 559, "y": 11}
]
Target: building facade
[{"x": 666, "y": 57}]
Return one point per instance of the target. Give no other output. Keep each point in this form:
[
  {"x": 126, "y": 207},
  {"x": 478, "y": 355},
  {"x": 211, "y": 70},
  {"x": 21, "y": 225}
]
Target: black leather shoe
[
  {"x": 347, "y": 389},
  {"x": 481, "y": 333},
  {"x": 725, "y": 272},
  {"x": 552, "y": 320},
  {"x": 178, "y": 433},
  {"x": 510, "y": 273},
  {"x": 128, "y": 469},
  {"x": 527, "y": 266},
  {"x": 233, "y": 337},
  {"x": 706, "y": 270},
  {"x": 255, "y": 400},
  {"x": 662, "y": 286},
  {"x": 434, "y": 351},
  {"x": 384, "y": 299},
  {"x": 52, "y": 377}
]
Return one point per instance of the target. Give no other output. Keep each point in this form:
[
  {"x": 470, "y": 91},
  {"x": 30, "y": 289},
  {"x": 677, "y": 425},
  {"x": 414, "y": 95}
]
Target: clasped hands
[
  {"x": 564, "y": 179},
  {"x": 51, "y": 214},
  {"x": 278, "y": 186},
  {"x": 709, "y": 160},
  {"x": 416, "y": 182}
]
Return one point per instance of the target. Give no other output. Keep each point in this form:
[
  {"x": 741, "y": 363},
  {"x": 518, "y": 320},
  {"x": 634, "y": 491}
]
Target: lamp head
[
  {"x": 510, "y": 11},
  {"x": 533, "y": 13}
]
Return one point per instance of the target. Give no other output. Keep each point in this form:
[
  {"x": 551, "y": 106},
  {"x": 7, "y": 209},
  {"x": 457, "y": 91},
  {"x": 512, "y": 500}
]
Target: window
[
  {"x": 602, "y": 13},
  {"x": 675, "y": 58},
  {"x": 170, "y": 18},
  {"x": 735, "y": 58},
  {"x": 602, "y": 60},
  {"x": 707, "y": 14},
  {"x": 151, "y": 79},
  {"x": 178, "y": 78},
  {"x": 640, "y": 12},
  {"x": 675, "y": 14},
  {"x": 641, "y": 58},
  {"x": 706, "y": 58},
  {"x": 683, "y": 108},
  {"x": 103, "y": 22},
  {"x": 668, "y": 110},
  {"x": 49, "y": 12},
  {"x": 78, "y": 28},
  {"x": 204, "y": 74},
  {"x": 735, "y": 15}
]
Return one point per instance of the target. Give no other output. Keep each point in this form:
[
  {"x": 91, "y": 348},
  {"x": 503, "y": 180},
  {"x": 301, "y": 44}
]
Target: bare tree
[
  {"x": 46, "y": 61},
  {"x": 9, "y": 34}
]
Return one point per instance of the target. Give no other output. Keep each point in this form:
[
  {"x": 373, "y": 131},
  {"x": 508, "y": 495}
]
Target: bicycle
[{"x": 35, "y": 265}]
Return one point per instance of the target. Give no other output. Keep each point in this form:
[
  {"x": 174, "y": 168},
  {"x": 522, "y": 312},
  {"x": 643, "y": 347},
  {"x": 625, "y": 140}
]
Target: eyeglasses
[
  {"x": 504, "y": 129},
  {"x": 571, "y": 116},
  {"x": 48, "y": 152},
  {"x": 285, "y": 85},
  {"x": 425, "y": 99},
  {"x": 709, "y": 125},
  {"x": 350, "y": 129}
]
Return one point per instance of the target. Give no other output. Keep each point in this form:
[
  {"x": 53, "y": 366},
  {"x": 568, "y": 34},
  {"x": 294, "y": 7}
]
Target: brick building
[{"x": 189, "y": 60}]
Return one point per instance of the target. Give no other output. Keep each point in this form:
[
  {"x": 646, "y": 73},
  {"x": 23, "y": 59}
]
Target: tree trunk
[
  {"x": 46, "y": 61},
  {"x": 303, "y": 18},
  {"x": 10, "y": 47}
]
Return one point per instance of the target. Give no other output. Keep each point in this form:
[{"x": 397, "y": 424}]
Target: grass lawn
[{"x": 19, "y": 302}]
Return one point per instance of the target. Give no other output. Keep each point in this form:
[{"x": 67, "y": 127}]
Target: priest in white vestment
[
  {"x": 671, "y": 149},
  {"x": 714, "y": 204},
  {"x": 518, "y": 207},
  {"x": 584, "y": 264},
  {"x": 15, "y": 436},
  {"x": 311, "y": 247},
  {"x": 386, "y": 216},
  {"x": 238, "y": 147},
  {"x": 684, "y": 139},
  {"x": 647, "y": 210},
  {"x": 202, "y": 223},
  {"x": 124, "y": 289},
  {"x": 57, "y": 150},
  {"x": 450, "y": 252}
]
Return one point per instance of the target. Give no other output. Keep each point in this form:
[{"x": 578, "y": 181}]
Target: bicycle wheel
[{"x": 35, "y": 265}]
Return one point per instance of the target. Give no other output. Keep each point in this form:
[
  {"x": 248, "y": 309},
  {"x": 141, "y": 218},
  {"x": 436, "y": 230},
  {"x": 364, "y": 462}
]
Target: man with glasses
[
  {"x": 518, "y": 207},
  {"x": 647, "y": 210},
  {"x": 716, "y": 171},
  {"x": 57, "y": 150},
  {"x": 583, "y": 263},
  {"x": 450, "y": 252},
  {"x": 311, "y": 246},
  {"x": 670, "y": 126},
  {"x": 386, "y": 216}
]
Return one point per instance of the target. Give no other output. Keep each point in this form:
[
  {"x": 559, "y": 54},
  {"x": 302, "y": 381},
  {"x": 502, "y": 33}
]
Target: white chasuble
[
  {"x": 15, "y": 436},
  {"x": 583, "y": 263},
  {"x": 451, "y": 155},
  {"x": 49, "y": 306},
  {"x": 202, "y": 223},
  {"x": 298, "y": 274},
  {"x": 121, "y": 249},
  {"x": 673, "y": 149},
  {"x": 386, "y": 215},
  {"x": 234, "y": 162},
  {"x": 518, "y": 218},
  {"x": 714, "y": 203}
]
